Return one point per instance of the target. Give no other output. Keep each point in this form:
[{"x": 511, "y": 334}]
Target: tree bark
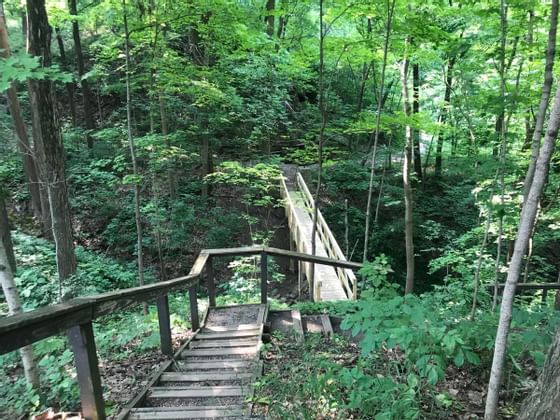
[
  {"x": 69, "y": 86},
  {"x": 87, "y": 95},
  {"x": 408, "y": 200},
  {"x": 7, "y": 268},
  {"x": 416, "y": 111},
  {"x": 526, "y": 223},
  {"x": 544, "y": 400},
  {"x": 132, "y": 147},
  {"x": 269, "y": 18},
  {"x": 446, "y": 103},
  {"x": 24, "y": 147},
  {"x": 390, "y": 9},
  {"x": 543, "y": 105},
  {"x": 48, "y": 136}
]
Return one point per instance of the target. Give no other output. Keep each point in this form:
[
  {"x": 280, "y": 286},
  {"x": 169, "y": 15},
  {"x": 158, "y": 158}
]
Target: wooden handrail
[
  {"x": 28, "y": 327},
  {"x": 347, "y": 277}
]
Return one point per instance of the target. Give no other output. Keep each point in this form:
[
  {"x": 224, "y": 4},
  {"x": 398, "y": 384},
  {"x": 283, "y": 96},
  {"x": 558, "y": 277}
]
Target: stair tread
[
  {"x": 190, "y": 377},
  {"x": 198, "y": 392},
  {"x": 177, "y": 413}
]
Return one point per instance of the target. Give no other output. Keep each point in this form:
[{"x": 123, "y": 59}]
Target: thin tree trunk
[
  {"x": 416, "y": 111},
  {"x": 269, "y": 18},
  {"x": 165, "y": 134},
  {"x": 7, "y": 268},
  {"x": 42, "y": 98},
  {"x": 390, "y": 9},
  {"x": 408, "y": 200},
  {"x": 135, "y": 171},
  {"x": 86, "y": 91},
  {"x": 323, "y": 112},
  {"x": 526, "y": 223},
  {"x": 69, "y": 86},
  {"x": 446, "y": 104},
  {"x": 543, "y": 105},
  {"x": 24, "y": 147}
]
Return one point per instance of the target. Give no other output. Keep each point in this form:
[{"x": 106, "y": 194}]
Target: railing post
[
  {"x": 85, "y": 357},
  {"x": 210, "y": 283},
  {"x": 264, "y": 277},
  {"x": 195, "y": 323},
  {"x": 162, "y": 303}
]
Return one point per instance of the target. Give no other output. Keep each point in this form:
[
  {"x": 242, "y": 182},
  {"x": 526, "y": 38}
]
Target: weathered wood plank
[
  {"x": 87, "y": 369},
  {"x": 175, "y": 413},
  {"x": 220, "y": 352},
  {"x": 243, "y": 342},
  {"x": 215, "y": 364},
  {"x": 327, "y": 326},
  {"x": 313, "y": 258},
  {"x": 227, "y": 334},
  {"x": 199, "y": 377},
  {"x": 198, "y": 392},
  {"x": 298, "y": 327}
]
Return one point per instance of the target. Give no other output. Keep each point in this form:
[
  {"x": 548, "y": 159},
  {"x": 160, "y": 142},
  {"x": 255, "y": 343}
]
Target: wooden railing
[
  {"x": 522, "y": 287},
  {"x": 77, "y": 315},
  {"x": 346, "y": 277}
]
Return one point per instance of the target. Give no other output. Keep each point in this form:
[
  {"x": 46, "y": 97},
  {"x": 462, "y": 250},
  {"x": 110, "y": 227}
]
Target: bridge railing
[
  {"x": 76, "y": 316},
  {"x": 347, "y": 277}
]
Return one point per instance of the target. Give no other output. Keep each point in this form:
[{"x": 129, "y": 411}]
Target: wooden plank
[
  {"x": 198, "y": 392},
  {"x": 243, "y": 342},
  {"x": 176, "y": 413},
  {"x": 245, "y": 250},
  {"x": 327, "y": 326},
  {"x": 200, "y": 263},
  {"x": 89, "y": 380},
  {"x": 297, "y": 325},
  {"x": 264, "y": 277},
  {"x": 162, "y": 304},
  {"x": 210, "y": 283},
  {"x": 28, "y": 327},
  {"x": 227, "y": 334},
  {"x": 216, "y": 364},
  {"x": 220, "y": 352},
  {"x": 193, "y": 303},
  {"x": 313, "y": 258},
  {"x": 529, "y": 286},
  {"x": 241, "y": 327},
  {"x": 200, "y": 377}
]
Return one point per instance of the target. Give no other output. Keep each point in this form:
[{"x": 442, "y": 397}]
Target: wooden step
[
  {"x": 241, "y": 342},
  {"x": 178, "y": 413},
  {"x": 200, "y": 377},
  {"x": 220, "y": 352},
  {"x": 216, "y": 364},
  {"x": 241, "y": 327},
  {"x": 198, "y": 392},
  {"x": 227, "y": 334}
]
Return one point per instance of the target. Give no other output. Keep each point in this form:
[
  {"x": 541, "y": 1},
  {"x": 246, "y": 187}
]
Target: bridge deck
[{"x": 330, "y": 283}]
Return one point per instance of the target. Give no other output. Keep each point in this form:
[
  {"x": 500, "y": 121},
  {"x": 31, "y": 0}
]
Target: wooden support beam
[
  {"x": 162, "y": 304},
  {"x": 210, "y": 283},
  {"x": 264, "y": 278},
  {"x": 195, "y": 322},
  {"x": 85, "y": 356}
]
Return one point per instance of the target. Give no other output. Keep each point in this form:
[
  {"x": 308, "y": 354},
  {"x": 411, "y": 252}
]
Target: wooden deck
[
  {"x": 212, "y": 375},
  {"x": 329, "y": 283}
]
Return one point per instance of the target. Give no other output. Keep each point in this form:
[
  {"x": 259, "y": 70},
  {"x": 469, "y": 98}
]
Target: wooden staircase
[{"x": 212, "y": 375}]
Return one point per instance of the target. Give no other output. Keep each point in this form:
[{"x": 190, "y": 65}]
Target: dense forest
[{"x": 135, "y": 133}]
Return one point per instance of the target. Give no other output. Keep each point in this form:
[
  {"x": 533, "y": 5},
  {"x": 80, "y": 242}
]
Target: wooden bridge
[
  {"x": 210, "y": 376},
  {"x": 326, "y": 282}
]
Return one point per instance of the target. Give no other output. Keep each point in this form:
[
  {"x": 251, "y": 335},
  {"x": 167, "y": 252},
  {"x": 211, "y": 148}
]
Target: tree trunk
[
  {"x": 24, "y": 147},
  {"x": 543, "y": 105},
  {"x": 69, "y": 86},
  {"x": 544, "y": 400},
  {"x": 164, "y": 132},
  {"x": 446, "y": 103},
  {"x": 7, "y": 268},
  {"x": 269, "y": 18},
  {"x": 408, "y": 201},
  {"x": 322, "y": 109},
  {"x": 132, "y": 147},
  {"x": 416, "y": 111},
  {"x": 42, "y": 98},
  {"x": 526, "y": 223},
  {"x": 87, "y": 95},
  {"x": 390, "y": 9}
]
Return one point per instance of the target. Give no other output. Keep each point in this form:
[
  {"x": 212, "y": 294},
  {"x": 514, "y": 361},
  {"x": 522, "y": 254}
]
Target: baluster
[{"x": 82, "y": 342}]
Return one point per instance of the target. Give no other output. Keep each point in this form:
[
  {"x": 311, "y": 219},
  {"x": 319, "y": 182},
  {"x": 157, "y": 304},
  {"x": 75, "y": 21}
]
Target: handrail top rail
[{"x": 48, "y": 320}]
